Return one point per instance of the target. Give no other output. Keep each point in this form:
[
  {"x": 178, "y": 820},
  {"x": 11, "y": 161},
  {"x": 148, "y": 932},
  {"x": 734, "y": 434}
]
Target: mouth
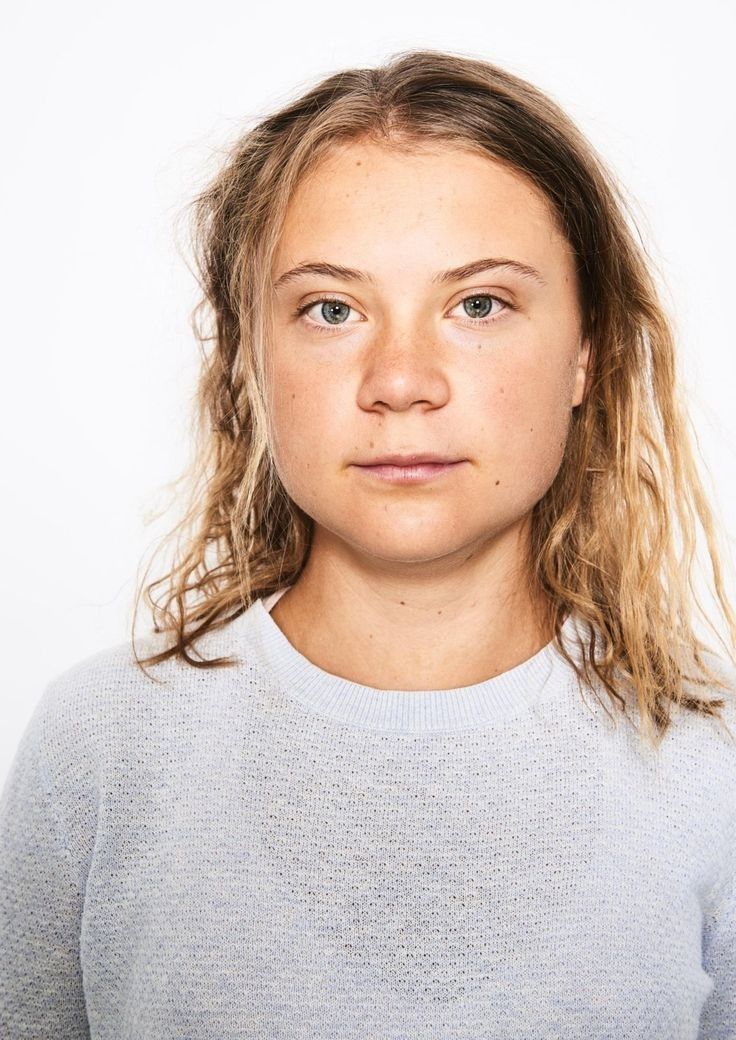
[{"x": 414, "y": 473}]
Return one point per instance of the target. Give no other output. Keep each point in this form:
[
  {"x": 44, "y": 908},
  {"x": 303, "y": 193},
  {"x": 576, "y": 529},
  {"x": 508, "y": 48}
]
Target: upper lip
[{"x": 407, "y": 460}]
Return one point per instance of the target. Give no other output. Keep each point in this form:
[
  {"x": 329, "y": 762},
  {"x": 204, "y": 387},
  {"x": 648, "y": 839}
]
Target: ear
[{"x": 581, "y": 374}]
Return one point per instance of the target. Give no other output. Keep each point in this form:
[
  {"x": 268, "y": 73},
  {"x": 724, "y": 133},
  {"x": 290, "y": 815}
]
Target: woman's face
[{"x": 397, "y": 363}]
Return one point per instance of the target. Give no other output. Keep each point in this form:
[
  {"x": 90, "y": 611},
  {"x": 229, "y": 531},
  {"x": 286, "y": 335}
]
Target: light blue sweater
[{"x": 273, "y": 851}]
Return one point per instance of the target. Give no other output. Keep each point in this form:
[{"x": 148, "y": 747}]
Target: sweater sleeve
[
  {"x": 41, "y": 897},
  {"x": 718, "y": 1016}
]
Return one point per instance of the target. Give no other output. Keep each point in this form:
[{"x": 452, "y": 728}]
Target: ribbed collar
[{"x": 511, "y": 693}]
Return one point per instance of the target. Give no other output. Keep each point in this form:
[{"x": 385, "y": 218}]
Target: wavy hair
[{"x": 614, "y": 537}]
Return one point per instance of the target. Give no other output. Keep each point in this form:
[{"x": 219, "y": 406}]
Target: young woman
[{"x": 424, "y": 744}]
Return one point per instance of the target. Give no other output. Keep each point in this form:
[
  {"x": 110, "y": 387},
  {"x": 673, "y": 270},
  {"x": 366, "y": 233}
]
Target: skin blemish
[{"x": 498, "y": 482}]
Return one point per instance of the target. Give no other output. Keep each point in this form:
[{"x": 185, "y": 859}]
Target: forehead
[{"x": 437, "y": 197}]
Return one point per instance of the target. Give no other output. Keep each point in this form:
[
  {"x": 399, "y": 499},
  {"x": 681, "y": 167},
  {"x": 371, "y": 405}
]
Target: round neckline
[{"x": 510, "y": 693}]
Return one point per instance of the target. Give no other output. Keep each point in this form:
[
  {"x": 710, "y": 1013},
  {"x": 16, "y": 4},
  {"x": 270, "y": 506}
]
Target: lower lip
[{"x": 418, "y": 474}]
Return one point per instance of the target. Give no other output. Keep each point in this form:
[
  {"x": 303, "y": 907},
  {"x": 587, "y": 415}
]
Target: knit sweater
[{"x": 273, "y": 851}]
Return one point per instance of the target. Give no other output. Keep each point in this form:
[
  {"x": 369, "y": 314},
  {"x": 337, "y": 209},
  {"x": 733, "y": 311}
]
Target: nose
[{"x": 406, "y": 367}]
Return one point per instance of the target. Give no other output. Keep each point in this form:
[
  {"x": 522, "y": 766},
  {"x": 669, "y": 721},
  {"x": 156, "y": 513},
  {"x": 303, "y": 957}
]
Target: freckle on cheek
[{"x": 498, "y": 482}]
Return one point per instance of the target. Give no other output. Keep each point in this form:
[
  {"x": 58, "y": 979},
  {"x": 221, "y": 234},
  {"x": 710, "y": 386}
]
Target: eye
[
  {"x": 332, "y": 310},
  {"x": 477, "y": 306}
]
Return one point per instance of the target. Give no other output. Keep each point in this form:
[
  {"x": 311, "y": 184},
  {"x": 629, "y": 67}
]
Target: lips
[
  {"x": 417, "y": 473},
  {"x": 409, "y": 460}
]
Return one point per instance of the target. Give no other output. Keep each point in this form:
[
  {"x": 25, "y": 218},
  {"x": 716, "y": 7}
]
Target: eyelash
[{"x": 300, "y": 311}]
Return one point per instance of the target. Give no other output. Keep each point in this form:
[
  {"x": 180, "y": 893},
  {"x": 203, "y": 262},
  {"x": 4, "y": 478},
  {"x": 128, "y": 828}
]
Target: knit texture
[{"x": 272, "y": 851}]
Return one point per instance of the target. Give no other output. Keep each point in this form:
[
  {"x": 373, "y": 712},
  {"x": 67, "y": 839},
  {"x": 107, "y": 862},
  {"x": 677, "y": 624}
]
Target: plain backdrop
[{"x": 112, "y": 115}]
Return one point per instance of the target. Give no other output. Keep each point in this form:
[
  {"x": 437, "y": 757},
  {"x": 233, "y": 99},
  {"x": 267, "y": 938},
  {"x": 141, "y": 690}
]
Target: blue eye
[
  {"x": 486, "y": 300},
  {"x": 482, "y": 298},
  {"x": 333, "y": 309}
]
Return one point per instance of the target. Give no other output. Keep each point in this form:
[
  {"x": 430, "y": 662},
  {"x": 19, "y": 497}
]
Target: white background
[{"x": 112, "y": 115}]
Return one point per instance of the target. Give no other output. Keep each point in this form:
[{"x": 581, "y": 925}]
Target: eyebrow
[{"x": 441, "y": 277}]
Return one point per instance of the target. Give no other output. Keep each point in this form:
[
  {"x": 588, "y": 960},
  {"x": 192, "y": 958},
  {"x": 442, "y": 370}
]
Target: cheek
[
  {"x": 306, "y": 428},
  {"x": 525, "y": 419}
]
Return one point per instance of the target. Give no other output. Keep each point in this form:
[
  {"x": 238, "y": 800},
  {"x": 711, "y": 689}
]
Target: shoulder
[
  {"x": 713, "y": 732},
  {"x": 112, "y": 695},
  {"x": 76, "y": 707},
  {"x": 698, "y": 753}
]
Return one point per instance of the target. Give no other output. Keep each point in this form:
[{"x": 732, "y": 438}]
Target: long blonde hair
[{"x": 604, "y": 538}]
